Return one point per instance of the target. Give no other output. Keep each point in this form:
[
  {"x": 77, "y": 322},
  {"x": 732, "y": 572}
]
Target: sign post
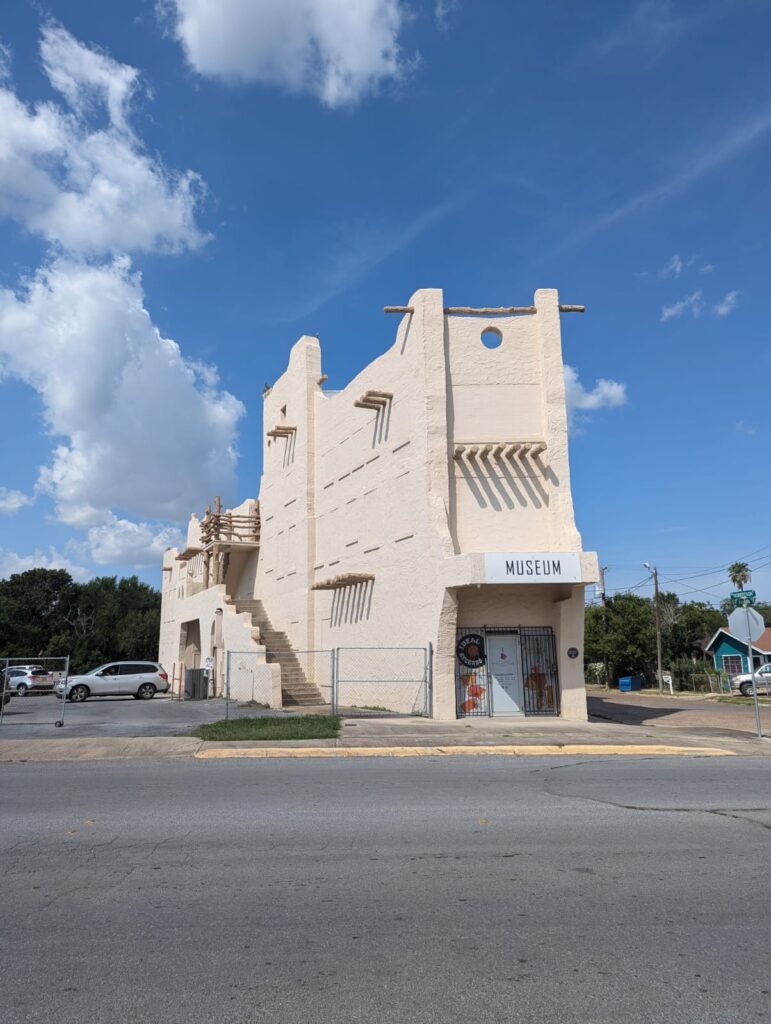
[{"x": 754, "y": 627}]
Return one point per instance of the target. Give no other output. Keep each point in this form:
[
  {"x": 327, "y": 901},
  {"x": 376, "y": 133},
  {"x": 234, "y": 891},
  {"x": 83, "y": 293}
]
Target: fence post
[
  {"x": 335, "y": 677},
  {"x": 2, "y": 695},
  {"x": 227, "y": 687},
  {"x": 430, "y": 679}
]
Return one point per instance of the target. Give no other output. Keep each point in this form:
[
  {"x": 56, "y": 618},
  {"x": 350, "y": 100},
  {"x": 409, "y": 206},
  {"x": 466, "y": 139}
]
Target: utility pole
[
  {"x": 604, "y": 599},
  {"x": 657, "y": 610}
]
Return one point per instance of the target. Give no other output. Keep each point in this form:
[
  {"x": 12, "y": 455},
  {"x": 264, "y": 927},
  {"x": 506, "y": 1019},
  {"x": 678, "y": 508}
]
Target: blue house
[{"x": 729, "y": 653}]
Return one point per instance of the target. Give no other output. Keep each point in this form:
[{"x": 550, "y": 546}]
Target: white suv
[
  {"x": 140, "y": 679},
  {"x": 743, "y": 683}
]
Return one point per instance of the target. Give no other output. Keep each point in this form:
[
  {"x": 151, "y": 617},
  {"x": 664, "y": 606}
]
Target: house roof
[{"x": 762, "y": 644}]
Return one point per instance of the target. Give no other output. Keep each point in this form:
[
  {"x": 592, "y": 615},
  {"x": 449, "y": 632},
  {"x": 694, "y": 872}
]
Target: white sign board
[
  {"x": 208, "y": 663},
  {"x": 737, "y": 623},
  {"x": 533, "y": 567}
]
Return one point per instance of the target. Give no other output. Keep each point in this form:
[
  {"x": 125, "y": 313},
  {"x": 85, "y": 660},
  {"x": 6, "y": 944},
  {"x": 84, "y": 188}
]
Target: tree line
[
  {"x": 622, "y": 633},
  {"x": 45, "y": 613}
]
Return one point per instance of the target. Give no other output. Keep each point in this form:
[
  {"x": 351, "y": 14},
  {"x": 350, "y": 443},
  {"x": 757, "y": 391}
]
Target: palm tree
[{"x": 739, "y": 574}]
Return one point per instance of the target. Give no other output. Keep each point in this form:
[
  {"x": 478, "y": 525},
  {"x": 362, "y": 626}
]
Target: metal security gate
[
  {"x": 534, "y": 676},
  {"x": 32, "y": 690},
  {"x": 383, "y": 681}
]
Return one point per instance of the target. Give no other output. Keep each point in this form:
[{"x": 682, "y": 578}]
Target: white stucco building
[{"x": 426, "y": 505}]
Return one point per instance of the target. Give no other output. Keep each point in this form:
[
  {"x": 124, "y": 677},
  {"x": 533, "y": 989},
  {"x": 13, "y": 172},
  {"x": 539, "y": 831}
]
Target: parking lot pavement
[
  {"x": 697, "y": 715},
  {"x": 28, "y": 718}
]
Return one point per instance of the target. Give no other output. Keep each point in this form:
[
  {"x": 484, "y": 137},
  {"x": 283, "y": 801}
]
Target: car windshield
[{"x": 93, "y": 671}]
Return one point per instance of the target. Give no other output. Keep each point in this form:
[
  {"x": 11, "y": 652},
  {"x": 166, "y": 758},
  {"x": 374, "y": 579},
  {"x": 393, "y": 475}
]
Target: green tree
[
  {"x": 739, "y": 574},
  {"x": 43, "y": 612},
  {"x": 624, "y": 633}
]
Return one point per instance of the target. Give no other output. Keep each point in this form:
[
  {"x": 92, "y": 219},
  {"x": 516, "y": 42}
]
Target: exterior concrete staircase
[{"x": 296, "y": 689}]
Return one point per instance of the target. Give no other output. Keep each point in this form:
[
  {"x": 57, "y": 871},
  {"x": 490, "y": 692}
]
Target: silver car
[
  {"x": 24, "y": 679},
  {"x": 743, "y": 682},
  {"x": 139, "y": 679}
]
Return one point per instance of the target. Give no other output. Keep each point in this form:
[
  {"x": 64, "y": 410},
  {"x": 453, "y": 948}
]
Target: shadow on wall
[
  {"x": 351, "y": 604},
  {"x": 382, "y": 425},
  {"x": 499, "y": 483}
]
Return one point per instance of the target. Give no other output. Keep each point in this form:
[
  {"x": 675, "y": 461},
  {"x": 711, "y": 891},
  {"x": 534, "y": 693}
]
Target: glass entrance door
[{"x": 504, "y": 668}]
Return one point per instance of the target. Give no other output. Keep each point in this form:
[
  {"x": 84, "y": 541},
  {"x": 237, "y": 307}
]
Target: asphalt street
[{"x": 387, "y": 890}]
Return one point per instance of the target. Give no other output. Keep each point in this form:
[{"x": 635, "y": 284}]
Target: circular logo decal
[
  {"x": 572, "y": 652},
  {"x": 471, "y": 650}
]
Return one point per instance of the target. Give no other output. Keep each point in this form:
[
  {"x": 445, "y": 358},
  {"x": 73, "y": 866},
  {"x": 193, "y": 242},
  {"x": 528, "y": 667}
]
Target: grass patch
[
  {"x": 747, "y": 701},
  {"x": 302, "y": 727}
]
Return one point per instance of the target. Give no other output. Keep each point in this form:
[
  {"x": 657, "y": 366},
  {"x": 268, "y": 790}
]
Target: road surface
[{"x": 388, "y": 890}]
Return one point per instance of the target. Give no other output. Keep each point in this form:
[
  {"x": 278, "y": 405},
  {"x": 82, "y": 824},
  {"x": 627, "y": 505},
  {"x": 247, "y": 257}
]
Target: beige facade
[{"x": 427, "y": 501}]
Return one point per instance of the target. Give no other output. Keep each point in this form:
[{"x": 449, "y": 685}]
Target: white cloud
[
  {"x": 339, "y": 50},
  {"x": 90, "y": 188},
  {"x": 707, "y": 268},
  {"x": 691, "y": 303},
  {"x": 651, "y": 29},
  {"x": 746, "y": 428},
  {"x": 121, "y": 542},
  {"x": 5, "y": 62},
  {"x": 697, "y": 165},
  {"x": 673, "y": 268},
  {"x": 12, "y": 501},
  {"x": 442, "y": 11},
  {"x": 144, "y": 431},
  {"x": 604, "y": 395},
  {"x": 11, "y": 563},
  {"x": 727, "y": 305}
]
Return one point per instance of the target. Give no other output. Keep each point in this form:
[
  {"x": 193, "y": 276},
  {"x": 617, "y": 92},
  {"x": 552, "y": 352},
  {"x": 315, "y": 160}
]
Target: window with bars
[{"x": 733, "y": 664}]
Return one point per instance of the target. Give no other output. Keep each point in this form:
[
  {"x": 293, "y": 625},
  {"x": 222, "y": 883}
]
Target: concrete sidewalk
[{"x": 377, "y": 737}]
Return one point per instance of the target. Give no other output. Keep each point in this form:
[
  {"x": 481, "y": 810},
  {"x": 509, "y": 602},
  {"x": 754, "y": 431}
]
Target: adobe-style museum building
[{"x": 426, "y": 506}]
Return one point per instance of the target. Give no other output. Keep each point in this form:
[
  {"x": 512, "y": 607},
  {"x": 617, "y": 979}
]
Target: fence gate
[
  {"x": 383, "y": 680},
  {"x": 535, "y": 681},
  {"x": 32, "y": 690}
]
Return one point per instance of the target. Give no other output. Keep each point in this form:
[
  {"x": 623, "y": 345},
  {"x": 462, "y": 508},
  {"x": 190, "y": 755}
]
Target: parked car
[
  {"x": 140, "y": 679},
  {"x": 743, "y": 683},
  {"x": 24, "y": 679}
]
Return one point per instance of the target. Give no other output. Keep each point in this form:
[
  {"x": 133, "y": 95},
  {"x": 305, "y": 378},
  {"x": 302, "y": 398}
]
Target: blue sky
[{"x": 227, "y": 175}]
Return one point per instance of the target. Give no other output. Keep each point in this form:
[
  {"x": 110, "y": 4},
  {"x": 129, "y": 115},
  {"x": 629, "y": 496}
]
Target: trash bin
[
  {"x": 196, "y": 684},
  {"x": 628, "y": 683}
]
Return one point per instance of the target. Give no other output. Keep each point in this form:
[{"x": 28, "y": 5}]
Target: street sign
[
  {"x": 742, "y": 598},
  {"x": 740, "y": 618}
]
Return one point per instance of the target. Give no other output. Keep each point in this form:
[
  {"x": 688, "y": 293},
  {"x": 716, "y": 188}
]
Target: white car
[
  {"x": 743, "y": 683},
  {"x": 139, "y": 679}
]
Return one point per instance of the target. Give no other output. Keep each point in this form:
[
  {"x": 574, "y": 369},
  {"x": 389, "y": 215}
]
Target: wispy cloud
[
  {"x": 12, "y": 501},
  {"x": 690, "y": 304},
  {"x": 746, "y": 428},
  {"x": 442, "y": 11},
  {"x": 363, "y": 250},
  {"x": 726, "y": 148},
  {"x": 727, "y": 305},
  {"x": 707, "y": 268},
  {"x": 673, "y": 268},
  {"x": 651, "y": 30}
]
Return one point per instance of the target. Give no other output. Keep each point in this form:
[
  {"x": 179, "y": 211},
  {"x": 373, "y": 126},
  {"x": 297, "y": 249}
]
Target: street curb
[{"x": 533, "y": 750}]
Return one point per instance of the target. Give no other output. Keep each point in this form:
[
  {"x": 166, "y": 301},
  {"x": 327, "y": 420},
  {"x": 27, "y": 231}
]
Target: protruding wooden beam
[{"x": 489, "y": 310}]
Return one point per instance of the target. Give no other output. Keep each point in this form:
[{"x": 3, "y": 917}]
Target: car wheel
[
  {"x": 78, "y": 694},
  {"x": 21, "y": 689},
  {"x": 746, "y": 689},
  {"x": 146, "y": 691}
]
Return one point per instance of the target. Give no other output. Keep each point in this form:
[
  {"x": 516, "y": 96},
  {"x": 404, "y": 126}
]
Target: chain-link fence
[
  {"x": 383, "y": 680},
  {"x": 29, "y": 688}
]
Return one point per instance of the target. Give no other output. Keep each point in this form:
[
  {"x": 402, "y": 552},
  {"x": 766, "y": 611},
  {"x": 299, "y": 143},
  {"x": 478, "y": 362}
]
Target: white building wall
[{"x": 352, "y": 490}]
